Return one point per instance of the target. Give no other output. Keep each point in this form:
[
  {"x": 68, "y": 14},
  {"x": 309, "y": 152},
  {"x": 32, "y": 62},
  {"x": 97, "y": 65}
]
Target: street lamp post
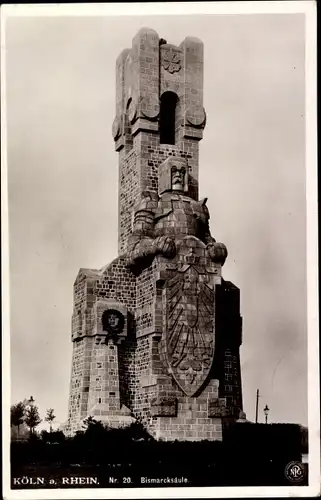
[{"x": 266, "y": 412}]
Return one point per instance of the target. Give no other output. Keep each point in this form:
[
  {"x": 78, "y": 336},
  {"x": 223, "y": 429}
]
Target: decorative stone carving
[
  {"x": 190, "y": 325},
  {"x": 110, "y": 321},
  {"x": 176, "y": 227},
  {"x": 116, "y": 128},
  {"x": 171, "y": 171},
  {"x": 113, "y": 321},
  {"x": 164, "y": 407},
  {"x": 171, "y": 60},
  {"x": 160, "y": 220},
  {"x": 132, "y": 110},
  {"x": 195, "y": 117},
  {"x": 150, "y": 107}
]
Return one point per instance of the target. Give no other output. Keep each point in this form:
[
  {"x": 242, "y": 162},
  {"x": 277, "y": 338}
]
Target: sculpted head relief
[{"x": 178, "y": 177}]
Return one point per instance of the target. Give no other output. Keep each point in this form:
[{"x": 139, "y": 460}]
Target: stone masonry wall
[
  {"x": 231, "y": 388},
  {"x": 145, "y": 298},
  {"x": 117, "y": 282},
  {"x": 229, "y": 338},
  {"x": 114, "y": 281},
  {"x": 129, "y": 193},
  {"x": 104, "y": 379},
  {"x": 79, "y": 386},
  {"x": 192, "y": 422},
  {"x": 138, "y": 172},
  {"x": 127, "y": 371},
  {"x": 186, "y": 417},
  {"x": 151, "y": 154}
]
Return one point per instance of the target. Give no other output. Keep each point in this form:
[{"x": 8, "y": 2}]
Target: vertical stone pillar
[
  {"x": 104, "y": 396},
  {"x": 193, "y": 113}
]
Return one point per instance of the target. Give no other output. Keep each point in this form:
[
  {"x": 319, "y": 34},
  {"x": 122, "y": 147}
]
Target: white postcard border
[{"x": 177, "y": 8}]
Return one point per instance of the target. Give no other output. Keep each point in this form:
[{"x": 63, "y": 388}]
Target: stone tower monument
[{"x": 156, "y": 333}]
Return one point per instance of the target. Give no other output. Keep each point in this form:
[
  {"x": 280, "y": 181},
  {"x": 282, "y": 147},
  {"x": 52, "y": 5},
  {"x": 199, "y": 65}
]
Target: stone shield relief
[{"x": 189, "y": 327}]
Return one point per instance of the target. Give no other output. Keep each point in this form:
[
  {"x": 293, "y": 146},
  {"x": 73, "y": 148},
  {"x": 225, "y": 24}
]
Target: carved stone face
[
  {"x": 178, "y": 177},
  {"x": 113, "y": 320},
  {"x": 173, "y": 175}
]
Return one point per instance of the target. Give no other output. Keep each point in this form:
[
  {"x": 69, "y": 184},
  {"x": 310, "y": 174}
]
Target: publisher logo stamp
[{"x": 295, "y": 472}]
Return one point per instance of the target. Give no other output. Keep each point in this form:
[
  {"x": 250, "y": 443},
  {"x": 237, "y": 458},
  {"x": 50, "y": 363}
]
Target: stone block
[{"x": 164, "y": 406}]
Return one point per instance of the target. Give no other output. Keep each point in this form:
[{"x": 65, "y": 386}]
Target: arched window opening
[{"x": 167, "y": 118}]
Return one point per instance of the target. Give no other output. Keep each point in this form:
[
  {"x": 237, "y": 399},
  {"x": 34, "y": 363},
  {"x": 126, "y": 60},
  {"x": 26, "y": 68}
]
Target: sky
[{"x": 63, "y": 175}]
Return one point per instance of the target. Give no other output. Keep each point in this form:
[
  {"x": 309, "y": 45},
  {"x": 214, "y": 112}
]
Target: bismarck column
[
  {"x": 157, "y": 332},
  {"x": 186, "y": 314}
]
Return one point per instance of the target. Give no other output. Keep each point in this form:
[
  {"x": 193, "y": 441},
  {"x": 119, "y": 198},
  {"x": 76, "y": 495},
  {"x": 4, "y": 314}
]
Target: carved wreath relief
[{"x": 189, "y": 328}]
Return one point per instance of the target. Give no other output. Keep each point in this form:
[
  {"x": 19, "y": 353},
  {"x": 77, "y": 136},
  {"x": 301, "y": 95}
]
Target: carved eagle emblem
[{"x": 189, "y": 331}]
